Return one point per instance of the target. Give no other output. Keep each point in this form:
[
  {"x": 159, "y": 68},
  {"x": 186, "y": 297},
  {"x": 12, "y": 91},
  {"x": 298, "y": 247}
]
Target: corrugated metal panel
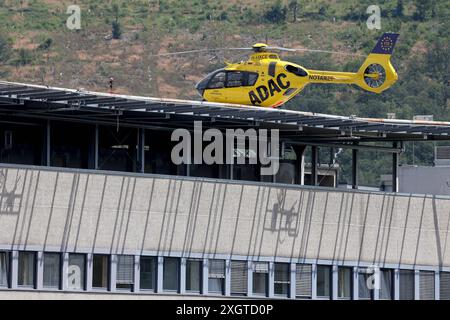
[
  {"x": 406, "y": 284},
  {"x": 261, "y": 267},
  {"x": 426, "y": 285},
  {"x": 239, "y": 274},
  {"x": 444, "y": 284},
  {"x": 125, "y": 269},
  {"x": 216, "y": 268},
  {"x": 303, "y": 280}
]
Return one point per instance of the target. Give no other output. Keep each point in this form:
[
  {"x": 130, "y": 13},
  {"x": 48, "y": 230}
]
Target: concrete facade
[{"x": 101, "y": 212}]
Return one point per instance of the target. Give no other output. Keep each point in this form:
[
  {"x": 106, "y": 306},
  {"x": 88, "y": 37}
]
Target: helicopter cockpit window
[
  {"x": 218, "y": 81},
  {"x": 235, "y": 79},
  {"x": 296, "y": 70},
  {"x": 252, "y": 77},
  {"x": 241, "y": 79}
]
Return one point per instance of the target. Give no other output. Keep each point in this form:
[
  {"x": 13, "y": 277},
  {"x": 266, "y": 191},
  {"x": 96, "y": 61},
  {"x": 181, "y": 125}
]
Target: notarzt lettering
[
  {"x": 264, "y": 92},
  {"x": 323, "y": 78}
]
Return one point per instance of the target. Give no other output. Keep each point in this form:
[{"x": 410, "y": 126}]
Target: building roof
[{"x": 82, "y": 105}]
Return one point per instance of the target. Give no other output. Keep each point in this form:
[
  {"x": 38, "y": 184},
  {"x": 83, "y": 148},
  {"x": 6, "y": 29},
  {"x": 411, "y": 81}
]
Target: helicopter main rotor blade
[
  {"x": 314, "y": 50},
  {"x": 198, "y": 51}
]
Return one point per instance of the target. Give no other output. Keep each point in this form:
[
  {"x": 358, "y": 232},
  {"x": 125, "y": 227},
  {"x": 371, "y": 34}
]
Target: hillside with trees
[{"x": 121, "y": 38}]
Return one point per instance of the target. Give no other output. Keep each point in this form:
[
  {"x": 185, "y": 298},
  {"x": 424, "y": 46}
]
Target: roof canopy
[{"x": 103, "y": 108}]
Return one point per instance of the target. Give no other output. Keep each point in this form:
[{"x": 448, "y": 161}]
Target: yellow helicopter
[{"x": 265, "y": 80}]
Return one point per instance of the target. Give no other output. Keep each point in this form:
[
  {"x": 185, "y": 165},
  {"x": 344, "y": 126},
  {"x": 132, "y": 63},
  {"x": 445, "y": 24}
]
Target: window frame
[
  {"x": 200, "y": 282},
  {"x": 154, "y": 273},
  {"x": 108, "y": 273},
  {"x": 330, "y": 282},
  {"x": 285, "y": 267},
  {"x": 8, "y": 265},
  {"x": 178, "y": 273},
  {"x": 60, "y": 263},
  {"x": 266, "y": 280},
  {"x": 131, "y": 286},
  {"x": 222, "y": 278},
  {"x": 85, "y": 270},
  {"x": 350, "y": 270},
  {"x": 34, "y": 271}
]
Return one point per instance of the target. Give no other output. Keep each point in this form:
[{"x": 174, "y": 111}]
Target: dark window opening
[
  {"x": 117, "y": 148},
  {"x": 296, "y": 70},
  {"x": 100, "y": 271},
  {"x": 22, "y": 144},
  {"x": 70, "y": 143},
  {"x": 148, "y": 273},
  {"x": 158, "y": 148}
]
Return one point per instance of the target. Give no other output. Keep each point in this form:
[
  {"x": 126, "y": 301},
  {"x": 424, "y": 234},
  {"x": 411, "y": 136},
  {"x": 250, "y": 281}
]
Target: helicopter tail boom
[{"x": 376, "y": 74}]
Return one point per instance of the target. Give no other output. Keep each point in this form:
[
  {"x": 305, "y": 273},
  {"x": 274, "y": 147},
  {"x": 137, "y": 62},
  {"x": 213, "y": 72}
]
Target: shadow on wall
[
  {"x": 284, "y": 219},
  {"x": 10, "y": 199}
]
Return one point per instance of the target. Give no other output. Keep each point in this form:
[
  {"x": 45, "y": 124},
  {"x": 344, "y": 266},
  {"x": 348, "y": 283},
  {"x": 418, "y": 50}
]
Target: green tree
[
  {"x": 46, "y": 44},
  {"x": 398, "y": 11},
  {"x": 5, "y": 49},
  {"x": 24, "y": 57},
  {"x": 424, "y": 9},
  {"x": 116, "y": 30},
  {"x": 276, "y": 14},
  {"x": 293, "y": 8}
]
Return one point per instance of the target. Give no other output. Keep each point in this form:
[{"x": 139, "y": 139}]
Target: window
[
  {"x": 52, "y": 269},
  {"x": 235, "y": 79},
  {"x": 426, "y": 285},
  {"x": 344, "y": 283},
  {"x": 216, "y": 276},
  {"x": 125, "y": 272},
  {"x": 296, "y": 70},
  {"x": 171, "y": 274},
  {"x": 252, "y": 77},
  {"x": 386, "y": 288},
  {"x": 76, "y": 272},
  {"x": 4, "y": 269},
  {"x": 282, "y": 279},
  {"x": 100, "y": 271},
  {"x": 444, "y": 284},
  {"x": 406, "y": 284},
  {"x": 323, "y": 281},
  {"x": 21, "y": 144},
  {"x": 218, "y": 81},
  {"x": 117, "y": 148},
  {"x": 241, "y": 79},
  {"x": 303, "y": 281},
  {"x": 70, "y": 150},
  {"x": 193, "y": 275},
  {"x": 260, "y": 278},
  {"x": 148, "y": 273},
  {"x": 239, "y": 273},
  {"x": 365, "y": 284},
  {"x": 27, "y": 265}
]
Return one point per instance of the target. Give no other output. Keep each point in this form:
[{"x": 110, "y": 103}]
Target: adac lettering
[
  {"x": 322, "y": 78},
  {"x": 264, "y": 92}
]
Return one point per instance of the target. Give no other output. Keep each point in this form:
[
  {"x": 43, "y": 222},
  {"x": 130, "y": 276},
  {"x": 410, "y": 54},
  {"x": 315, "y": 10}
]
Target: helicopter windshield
[{"x": 204, "y": 82}]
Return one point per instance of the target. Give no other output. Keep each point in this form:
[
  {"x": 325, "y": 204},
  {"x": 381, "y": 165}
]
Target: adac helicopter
[{"x": 267, "y": 81}]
